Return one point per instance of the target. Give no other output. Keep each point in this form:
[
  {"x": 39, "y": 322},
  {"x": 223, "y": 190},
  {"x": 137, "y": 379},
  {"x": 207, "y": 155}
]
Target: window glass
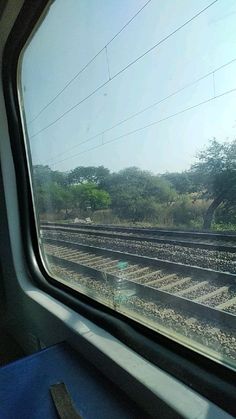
[{"x": 129, "y": 116}]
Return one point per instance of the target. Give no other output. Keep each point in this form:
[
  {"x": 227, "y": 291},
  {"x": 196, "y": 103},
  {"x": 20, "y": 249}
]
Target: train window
[{"x": 128, "y": 111}]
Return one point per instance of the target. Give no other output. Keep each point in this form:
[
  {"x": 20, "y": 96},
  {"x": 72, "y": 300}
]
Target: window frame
[{"x": 214, "y": 381}]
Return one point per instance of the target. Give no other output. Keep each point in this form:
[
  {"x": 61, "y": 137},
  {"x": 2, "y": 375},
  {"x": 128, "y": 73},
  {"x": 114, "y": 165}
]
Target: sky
[{"x": 68, "y": 131}]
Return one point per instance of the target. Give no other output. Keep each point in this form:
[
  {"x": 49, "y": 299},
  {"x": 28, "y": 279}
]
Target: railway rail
[
  {"x": 196, "y": 290},
  {"x": 209, "y": 241}
]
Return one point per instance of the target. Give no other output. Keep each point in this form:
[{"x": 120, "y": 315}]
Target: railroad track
[
  {"x": 196, "y": 290},
  {"x": 210, "y": 241}
]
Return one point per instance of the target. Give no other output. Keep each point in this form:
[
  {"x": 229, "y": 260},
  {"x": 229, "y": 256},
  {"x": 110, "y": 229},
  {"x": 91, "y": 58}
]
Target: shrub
[{"x": 189, "y": 212}]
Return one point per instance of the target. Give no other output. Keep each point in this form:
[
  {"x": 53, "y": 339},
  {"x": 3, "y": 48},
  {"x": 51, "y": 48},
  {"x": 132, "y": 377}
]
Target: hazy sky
[{"x": 74, "y": 31}]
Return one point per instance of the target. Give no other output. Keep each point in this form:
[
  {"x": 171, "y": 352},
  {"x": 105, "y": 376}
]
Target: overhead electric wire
[
  {"x": 122, "y": 70},
  {"x": 89, "y": 62},
  {"x": 211, "y": 73},
  {"x": 149, "y": 125}
]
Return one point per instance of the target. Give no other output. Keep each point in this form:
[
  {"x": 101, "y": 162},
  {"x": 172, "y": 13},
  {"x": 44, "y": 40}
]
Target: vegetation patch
[{"x": 201, "y": 198}]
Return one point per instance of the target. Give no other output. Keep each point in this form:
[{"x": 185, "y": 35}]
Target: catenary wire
[
  {"x": 147, "y": 108},
  {"x": 149, "y": 125},
  {"x": 122, "y": 70},
  {"x": 89, "y": 62}
]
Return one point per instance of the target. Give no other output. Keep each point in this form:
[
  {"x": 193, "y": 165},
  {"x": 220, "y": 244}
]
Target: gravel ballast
[
  {"x": 216, "y": 260},
  {"x": 198, "y": 330}
]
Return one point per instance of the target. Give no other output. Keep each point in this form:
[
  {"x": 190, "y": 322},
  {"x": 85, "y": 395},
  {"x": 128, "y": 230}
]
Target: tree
[
  {"x": 226, "y": 214},
  {"x": 53, "y": 197},
  {"x": 135, "y": 193},
  {"x": 215, "y": 175},
  {"x": 43, "y": 175},
  {"x": 89, "y": 174},
  {"x": 88, "y": 195},
  {"x": 182, "y": 182}
]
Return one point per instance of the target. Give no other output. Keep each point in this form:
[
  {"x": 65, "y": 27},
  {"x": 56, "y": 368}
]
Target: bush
[
  {"x": 105, "y": 217},
  {"x": 223, "y": 227},
  {"x": 188, "y": 212},
  {"x": 225, "y": 214},
  {"x": 184, "y": 213}
]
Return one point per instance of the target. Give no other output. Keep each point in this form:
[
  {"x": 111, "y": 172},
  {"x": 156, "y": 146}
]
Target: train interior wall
[{"x": 21, "y": 319}]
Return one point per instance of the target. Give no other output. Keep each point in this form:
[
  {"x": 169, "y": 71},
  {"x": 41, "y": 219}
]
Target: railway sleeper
[
  {"x": 212, "y": 294},
  {"x": 192, "y": 288},
  {"x": 66, "y": 252},
  {"x": 106, "y": 263},
  {"x": 142, "y": 271},
  {"x": 149, "y": 275},
  {"x": 94, "y": 261},
  {"x": 88, "y": 260},
  {"x": 226, "y": 304},
  {"x": 158, "y": 280},
  {"x": 176, "y": 283}
]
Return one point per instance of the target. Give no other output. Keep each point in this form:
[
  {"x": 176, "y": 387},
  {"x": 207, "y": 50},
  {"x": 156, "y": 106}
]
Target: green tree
[
  {"x": 53, "y": 197},
  {"x": 89, "y": 174},
  {"x": 182, "y": 182},
  {"x": 43, "y": 175},
  {"x": 226, "y": 214},
  {"x": 134, "y": 193},
  {"x": 215, "y": 175},
  {"x": 88, "y": 195}
]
